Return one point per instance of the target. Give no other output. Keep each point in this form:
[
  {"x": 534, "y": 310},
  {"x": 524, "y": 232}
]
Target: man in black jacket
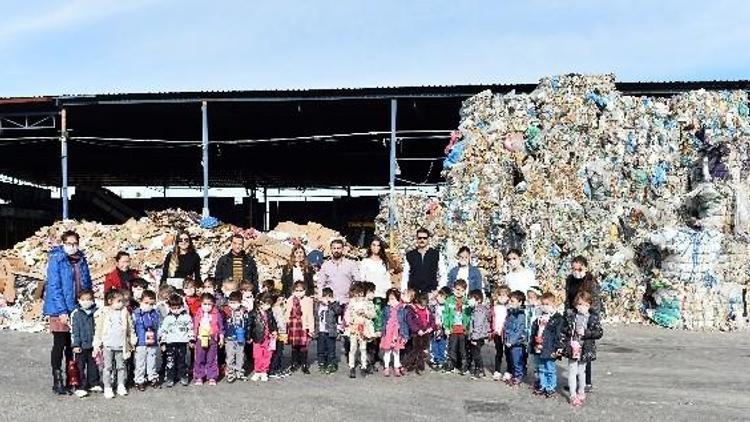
[
  {"x": 237, "y": 264},
  {"x": 423, "y": 270}
]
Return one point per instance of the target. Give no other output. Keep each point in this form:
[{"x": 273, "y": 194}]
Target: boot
[
  {"x": 58, "y": 386},
  {"x": 305, "y": 368}
]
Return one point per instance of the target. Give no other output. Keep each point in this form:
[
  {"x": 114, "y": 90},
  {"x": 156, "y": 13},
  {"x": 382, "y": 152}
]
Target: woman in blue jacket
[
  {"x": 67, "y": 274},
  {"x": 465, "y": 271}
]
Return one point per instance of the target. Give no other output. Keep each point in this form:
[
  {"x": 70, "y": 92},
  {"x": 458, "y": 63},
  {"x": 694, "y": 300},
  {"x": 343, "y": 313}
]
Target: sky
[{"x": 107, "y": 46}]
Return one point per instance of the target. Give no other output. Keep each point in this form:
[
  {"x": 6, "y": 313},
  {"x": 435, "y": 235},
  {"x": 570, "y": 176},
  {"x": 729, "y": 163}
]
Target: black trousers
[
  {"x": 88, "y": 370},
  {"x": 457, "y": 350},
  {"x": 373, "y": 352},
  {"x": 499, "y": 352},
  {"x": 476, "y": 355},
  {"x": 299, "y": 355},
  {"x": 588, "y": 374},
  {"x": 326, "y": 349},
  {"x": 277, "y": 358},
  {"x": 176, "y": 367},
  {"x": 60, "y": 347},
  {"x": 248, "y": 365}
]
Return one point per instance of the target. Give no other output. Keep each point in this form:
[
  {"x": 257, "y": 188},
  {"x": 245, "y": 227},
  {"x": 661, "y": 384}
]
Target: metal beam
[
  {"x": 204, "y": 143},
  {"x": 392, "y": 182},
  {"x": 64, "y": 161}
]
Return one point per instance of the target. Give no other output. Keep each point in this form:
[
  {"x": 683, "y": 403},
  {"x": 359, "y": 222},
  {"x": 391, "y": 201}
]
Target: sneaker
[
  {"x": 155, "y": 384},
  {"x": 397, "y": 372},
  {"x": 140, "y": 387},
  {"x": 108, "y": 393},
  {"x": 549, "y": 393},
  {"x": 81, "y": 393},
  {"x": 198, "y": 382},
  {"x": 275, "y": 376},
  {"x": 230, "y": 379},
  {"x": 387, "y": 372},
  {"x": 537, "y": 391},
  {"x": 352, "y": 373},
  {"x": 121, "y": 390},
  {"x": 185, "y": 382},
  {"x": 255, "y": 377},
  {"x": 305, "y": 370},
  {"x": 363, "y": 372},
  {"x": 264, "y": 377},
  {"x": 96, "y": 389},
  {"x": 576, "y": 401},
  {"x": 170, "y": 384},
  {"x": 515, "y": 382},
  {"x": 497, "y": 376},
  {"x": 242, "y": 378},
  {"x": 333, "y": 368},
  {"x": 589, "y": 388},
  {"x": 212, "y": 383}
]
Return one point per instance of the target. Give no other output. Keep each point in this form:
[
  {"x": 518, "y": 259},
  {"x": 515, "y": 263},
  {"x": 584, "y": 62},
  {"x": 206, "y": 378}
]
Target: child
[
  {"x": 395, "y": 333},
  {"x": 264, "y": 337},
  {"x": 165, "y": 292},
  {"x": 268, "y": 286},
  {"x": 358, "y": 315},
  {"x": 456, "y": 320},
  {"x": 248, "y": 302},
  {"x": 438, "y": 348},
  {"x": 545, "y": 338},
  {"x": 227, "y": 287},
  {"x": 501, "y": 295},
  {"x": 208, "y": 327},
  {"x": 236, "y": 327},
  {"x": 421, "y": 324},
  {"x": 279, "y": 315},
  {"x": 515, "y": 338},
  {"x": 300, "y": 317},
  {"x": 175, "y": 334},
  {"x": 82, "y": 342},
  {"x": 407, "y": 299},
  {"x": 138, "y": 286},
  {"x": 373, "y": 344},
  {"x": 146, "y": 320},
  {"x": 115, "y": 337},
  {"x": 247, "y": 286},
  {"x": 478, "y": 331},
  {"x": 531, "y": 311},
  {"x": 192, "y": 300},
  {"x": 327, "y": 313},
  {"x": 580, "y": 330}
]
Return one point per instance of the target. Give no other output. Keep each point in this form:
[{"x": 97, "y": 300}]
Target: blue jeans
[
  {"x": 516, "y": 363},
  {"x": 547, "y": 370},
  {"x": 438, "y": 349},
  {"x": 326, "y": 349}
]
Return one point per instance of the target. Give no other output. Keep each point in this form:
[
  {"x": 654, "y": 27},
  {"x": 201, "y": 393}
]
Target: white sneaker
[
  {"x": 497, "y": 376},
  {"x": 96, "y": 389},
  {"x": 81, "y": 393},
  {"x": 255, "y": 377},
  {"x": 121, "y": 390},
  {"x": 264, "y": 377},
  {"x": 507, "y": 376},
  {"x": 108, "y": 393}
]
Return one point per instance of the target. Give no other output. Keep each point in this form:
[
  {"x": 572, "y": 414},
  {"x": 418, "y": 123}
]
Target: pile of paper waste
[
  {"x": 653, "y": 191},
  {"x": 148, "y": 240}
]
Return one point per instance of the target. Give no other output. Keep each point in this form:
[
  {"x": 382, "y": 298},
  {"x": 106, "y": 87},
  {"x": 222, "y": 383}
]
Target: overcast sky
[{"x": 101, "y": 46}]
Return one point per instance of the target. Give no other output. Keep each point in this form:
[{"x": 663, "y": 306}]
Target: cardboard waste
[
  {"x": 148, "y": 240},
  {"x": 652, "y": 190}
]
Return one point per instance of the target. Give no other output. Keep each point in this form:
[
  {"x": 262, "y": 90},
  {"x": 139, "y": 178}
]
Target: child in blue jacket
[
  {"x": 146, "y": 321},
  {"x": 515, "y": 337},
  {"x": 82, "y": 342}
]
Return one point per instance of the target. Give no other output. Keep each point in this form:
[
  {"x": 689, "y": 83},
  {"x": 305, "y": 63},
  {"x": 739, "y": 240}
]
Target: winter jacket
[
  {"x": 114, "y": 281},
  {"x": 330, "y": 318},
  {"x": 474, "y": 282},
  {"x": 250, "y": 269},
  {"x": 480, "y": 322},
  {"x": 60, "y": 291},
  {"x": 217, "y": 323},
  {"x": 359, "y": 316},
  {"x": 550, "y": 336},
  {"x": 236, "y": 321},
  {"x": 402, "y": 314},
  {"x": 287, "y": 281},
  {"x": 258, "y": 326},
  {"x": 176, "y": 328},
  {"x": 193, "y": 304},
  {"x": 592, "y": 333},
  {"x": 101, "y": 324},
  {"x": 189, "y": 265},
  {"x": 308, "y": 312},
  {"x": 378, "y": 322},
  {"x": 143, "y": 321},
  {"x": 415, "y": 323},
  {"x": 573, "y": 287},
  {"x": 82, "y": 328},
  {"x": 515, "y": 327},
  {"x": 449, "y": 314}
]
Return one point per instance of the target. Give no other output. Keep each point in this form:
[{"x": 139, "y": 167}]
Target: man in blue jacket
[{"x": 67, "y": 274}]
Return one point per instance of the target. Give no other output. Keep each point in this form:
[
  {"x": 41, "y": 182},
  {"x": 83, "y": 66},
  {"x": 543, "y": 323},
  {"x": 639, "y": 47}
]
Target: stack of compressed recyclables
[{"x": 652, "y": 191}]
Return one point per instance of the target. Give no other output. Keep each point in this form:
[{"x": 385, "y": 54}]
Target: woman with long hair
[
  {"x": 183, "y": 261},
  {"x": 297, "y": 269},
  {"x": 375, "y": 268}
]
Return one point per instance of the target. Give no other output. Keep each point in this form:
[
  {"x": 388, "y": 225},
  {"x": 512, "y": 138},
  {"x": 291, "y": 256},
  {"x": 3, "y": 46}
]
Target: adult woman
[
  {"x": 183, "y": 261},
  {"x": 375, "y": 268},
  {"x": 465, "y": 271},
  {"x": 297, "y": 269},
  {"x": 67, "y": 275},
  {"x": 122, "y": 275},
  {"x": 518, "y": 278}
]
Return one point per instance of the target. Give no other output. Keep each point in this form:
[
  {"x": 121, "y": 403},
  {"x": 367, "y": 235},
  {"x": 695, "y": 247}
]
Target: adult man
[
  {"x": 423, "y": 269},
  {"x": 338, "y": 273},
  {"x": 237, "y": 264}
]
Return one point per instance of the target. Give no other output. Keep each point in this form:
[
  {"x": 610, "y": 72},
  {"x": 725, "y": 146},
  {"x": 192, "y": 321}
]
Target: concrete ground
[{"x": 643, "y": 373}]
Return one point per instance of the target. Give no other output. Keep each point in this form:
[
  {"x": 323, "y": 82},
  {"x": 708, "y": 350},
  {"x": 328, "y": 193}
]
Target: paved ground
[{"x": 643, "y": 373}]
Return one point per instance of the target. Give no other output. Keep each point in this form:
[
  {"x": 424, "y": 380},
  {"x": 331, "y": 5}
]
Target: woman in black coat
[
  {"x": 298, "y": 269},
  {"x": 183, "y": 261}
]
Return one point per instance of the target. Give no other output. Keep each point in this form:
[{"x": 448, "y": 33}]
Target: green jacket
[
  {"x": 378, "y": 322},
  {"x": 449, "y": 313}
]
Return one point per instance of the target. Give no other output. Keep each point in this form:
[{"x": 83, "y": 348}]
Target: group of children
[{"x": 155, "y": 337}]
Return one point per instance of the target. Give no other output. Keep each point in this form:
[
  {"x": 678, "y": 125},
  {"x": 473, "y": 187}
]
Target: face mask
[
  {"x": 579, "y": 274},
  {"x": 209, "y": 291},
  {"x": 503, "y": 300},
  {"x": 207, "y": 308},
  {"x": 85, "y": 304},
  {"x": 234, "y": 306},
  {"x": 547, "y": 309},
  {"x": 189, "y": 292},
  {"x": 146, "y": 308},
  {"x": 70, "y": 249},
  {"x": 299, "y": 295},
  {"x": 137, "y": 293},
  {"x": 583, "y": 309},
  {"x": 512, "y": 305},
  {"x": 472, "y": 302},
  {"x": 117, "y": 306},
  {"x": 176, "y": 311}
]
